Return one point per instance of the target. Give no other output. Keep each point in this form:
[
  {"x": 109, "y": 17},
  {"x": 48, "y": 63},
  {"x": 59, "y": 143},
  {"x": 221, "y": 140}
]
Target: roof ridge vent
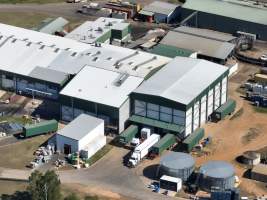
[{"x": 121, "y": 79}]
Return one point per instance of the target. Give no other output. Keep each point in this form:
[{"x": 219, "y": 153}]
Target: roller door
[
  {"x": 188, "y": 128},
  {"x": 217, "y": 96},
  {"x": 196, "y": 115},
  {"x": 210, "y": 102},
  {"x": 77, "y": 112},
  {"x": 203, "y": 110},
  {"x": 224, "y": 91}
]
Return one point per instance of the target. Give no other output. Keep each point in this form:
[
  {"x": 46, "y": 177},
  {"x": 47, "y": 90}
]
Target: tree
[
  {"x": 71, "y": 197},
  {"x": 44, "y": 186},
  {"x": 91, "y": 198}
]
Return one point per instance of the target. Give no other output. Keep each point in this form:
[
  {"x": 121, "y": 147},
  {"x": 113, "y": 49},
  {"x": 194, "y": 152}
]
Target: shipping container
[
  {"x": 192, "y": 140},
  {"x": 30, "y": 130},
  {"x": 128, "y": 134},
  {"x": 166, "y": 142},
  {"x": 226, "y": 109}
]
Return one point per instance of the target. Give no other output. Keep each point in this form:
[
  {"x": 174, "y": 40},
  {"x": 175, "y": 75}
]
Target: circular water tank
[
  {"x": 217, "y": 174},
  {"x": 251, "y": 158},
  {"x": 176, "y": 164}
]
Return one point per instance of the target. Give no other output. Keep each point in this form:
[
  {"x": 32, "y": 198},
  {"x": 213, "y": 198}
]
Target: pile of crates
[{"x": 257, "y": 93}]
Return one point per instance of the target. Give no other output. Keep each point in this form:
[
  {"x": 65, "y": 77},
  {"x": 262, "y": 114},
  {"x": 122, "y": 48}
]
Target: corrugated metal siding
[{"x": 169, "y": 51}]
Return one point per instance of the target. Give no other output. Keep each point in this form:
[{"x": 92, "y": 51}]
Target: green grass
[
  {"x": 20, "y": 154},
  {"x": 30, "y": 1},
  {"x": 16, "y": 119},
  {"x": 260, "y": 109},
  {"x": 102, "y": 152},
  {"x": 21, "y": 19}
]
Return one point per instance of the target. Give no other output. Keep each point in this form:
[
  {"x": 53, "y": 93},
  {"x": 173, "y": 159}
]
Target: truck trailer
[
  {"x": 142, "y": 150},
  {"x": 166, "y": 142},
  {"x": 43, "y": 127},
  {"x": 226, "y": 109}
]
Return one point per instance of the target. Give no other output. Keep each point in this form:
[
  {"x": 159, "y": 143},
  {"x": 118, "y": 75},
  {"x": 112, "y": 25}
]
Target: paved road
[{"x": 109, "y": 174}]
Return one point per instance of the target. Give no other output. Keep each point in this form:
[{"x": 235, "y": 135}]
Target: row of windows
[{"x": 161, "y": 113}]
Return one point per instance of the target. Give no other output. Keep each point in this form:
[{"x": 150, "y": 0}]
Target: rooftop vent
[
  {"x": 98, "y": 44},
  {"x": 56, "y": 50},
  {"x": 74, "y": 54},
  {"x": 120, "y": 79},
  {"x": 99, "y": 29},
  {"x": 29, "y": 44},
  {"x": 42, "y": 47},
  {"x": 14, "y": 40},
  {"x": 95, "y": 59},
  {"x": 25, "y": 39}
]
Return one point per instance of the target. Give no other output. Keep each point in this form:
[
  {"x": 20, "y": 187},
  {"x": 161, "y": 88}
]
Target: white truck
[
  {"x": 142, "y": 150},
  {"x": 145, "y": 133}
]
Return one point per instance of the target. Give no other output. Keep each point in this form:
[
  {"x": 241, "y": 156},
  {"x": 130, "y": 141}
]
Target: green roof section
[
  {"x": 245, "y": 11},
  {"x": 155, "y": 123},
  {"x": 170, "y": 51},
  {"x": 51, "y": 25}
]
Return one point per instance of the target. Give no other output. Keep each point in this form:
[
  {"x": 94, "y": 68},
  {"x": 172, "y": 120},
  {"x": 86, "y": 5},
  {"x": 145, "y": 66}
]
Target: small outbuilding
[
  {"x": 160, "y": 12},
  {"x": 85, "y": 134}
]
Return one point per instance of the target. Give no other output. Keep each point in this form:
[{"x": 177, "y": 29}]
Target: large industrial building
[
  {"x": 180, "y": 97},
  {"x": 102, "y": 30},
  {"x": 228, "y": 16}
]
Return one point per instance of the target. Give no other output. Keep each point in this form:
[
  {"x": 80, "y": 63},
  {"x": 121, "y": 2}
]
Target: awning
[
  {"x": 155, "y": 123},
  {"x": 147, "y": 13}
]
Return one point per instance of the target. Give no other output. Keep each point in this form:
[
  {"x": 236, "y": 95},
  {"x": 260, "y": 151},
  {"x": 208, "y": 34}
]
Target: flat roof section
[
  {"x": 80, "y": 127},
  {"x": 49, "y": 75},
  {"x": 101, "y": 86},
  {"x": 205, "y": 33},
  {"x": 90, "y": 31},
  {"x": 204, "y": 46},
  {"x": 245, "y": 11},
  {"x": 187, "y": 78}
]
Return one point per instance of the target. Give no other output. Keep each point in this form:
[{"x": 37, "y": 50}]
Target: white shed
[
  {"x": 83, "y": 133},
  {"x": 171, "y": 183}
]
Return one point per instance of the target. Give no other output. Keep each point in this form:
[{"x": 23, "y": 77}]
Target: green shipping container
[
  {"x": 167, "y": 141},
  {"x": 226, "y": 109},
  {"x": 30, "y": 130},
  {"x": 128, "y": 134},
  {"x": 193, "y": 139}
]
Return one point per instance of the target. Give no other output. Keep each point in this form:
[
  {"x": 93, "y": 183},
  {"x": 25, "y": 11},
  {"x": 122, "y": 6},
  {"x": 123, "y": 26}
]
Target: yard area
[
  {"x": 30, "y": 1},
  {"x": 20, "y": 154}
]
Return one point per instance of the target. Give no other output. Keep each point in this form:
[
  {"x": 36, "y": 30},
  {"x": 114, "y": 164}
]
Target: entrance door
[{"x": 67, "y": 149}]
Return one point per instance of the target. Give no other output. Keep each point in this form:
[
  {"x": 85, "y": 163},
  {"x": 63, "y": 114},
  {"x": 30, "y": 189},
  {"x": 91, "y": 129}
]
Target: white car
[{"x": 263, "y": 57}]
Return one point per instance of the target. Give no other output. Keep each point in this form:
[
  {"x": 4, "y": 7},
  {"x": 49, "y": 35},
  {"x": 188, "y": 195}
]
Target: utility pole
[{"x": 45, "y": 190}]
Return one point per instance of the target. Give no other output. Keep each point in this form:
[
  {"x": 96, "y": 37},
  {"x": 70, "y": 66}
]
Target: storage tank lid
[
  {"x": 177, "y": 160},
  {"x": 217, "y": 169}
]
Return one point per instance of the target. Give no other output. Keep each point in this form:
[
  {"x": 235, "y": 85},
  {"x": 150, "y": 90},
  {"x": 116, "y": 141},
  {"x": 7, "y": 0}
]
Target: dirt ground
[
  {"x": 246, "y": 131},
  {"x": 258, "y": 50}
]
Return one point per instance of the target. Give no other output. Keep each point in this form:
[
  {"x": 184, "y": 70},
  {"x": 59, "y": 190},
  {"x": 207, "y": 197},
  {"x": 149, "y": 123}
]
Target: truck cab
[
  {"x": 134, "y": 159},
  {"x": 135, "y": 142}
]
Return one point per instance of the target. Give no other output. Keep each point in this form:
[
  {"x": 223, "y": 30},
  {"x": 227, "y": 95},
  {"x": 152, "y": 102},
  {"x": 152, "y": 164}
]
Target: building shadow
[
  {"x": 152, "y": 172},
  {"x": 18, "y": 195}
]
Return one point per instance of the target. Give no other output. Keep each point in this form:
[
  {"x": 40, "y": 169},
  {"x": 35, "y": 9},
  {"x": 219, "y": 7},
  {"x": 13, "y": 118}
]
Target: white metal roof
[
  {"x": 21, "y": 50},
  {"x": 182, "y": 80},
  {"x": 80, "y": 127},
  {"x": 43, "y": 38},
  {"x": 90, "y": 31},
  {"x": 171, "y": 179},
  {"x": 99, "y": 85}
]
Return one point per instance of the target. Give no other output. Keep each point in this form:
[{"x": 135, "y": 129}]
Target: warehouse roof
[
  {"x": 242, "y": 10},
  {"x": 204, "y": 46},
  {"x": 90, "y": 31},
  {"x": 80, "y": 127},
  {"x": 101, "y": 86},
  {"x": 50, "y": 25},
  {"x": 187, "y": 78},
  {"x": 205, "y": 33},
  {"x": 41, "y": 38},
  {"x": 49, "y": 75},
  {"x": 160, "y": 7},
  {"x": 65, "y": 55}
]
